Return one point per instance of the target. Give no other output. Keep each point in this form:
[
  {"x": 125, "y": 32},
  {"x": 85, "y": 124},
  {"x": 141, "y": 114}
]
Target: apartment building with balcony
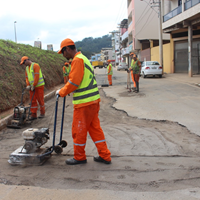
[
  {"x": 143, "y": 28},
  {"x": 181, "y": 19}
]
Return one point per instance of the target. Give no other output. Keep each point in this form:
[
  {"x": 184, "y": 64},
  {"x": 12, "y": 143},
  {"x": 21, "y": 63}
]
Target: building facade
[{"x": 181, "y": 19}]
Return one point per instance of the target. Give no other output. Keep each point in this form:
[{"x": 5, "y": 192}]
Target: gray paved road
[{"x": 159, "y": 99}]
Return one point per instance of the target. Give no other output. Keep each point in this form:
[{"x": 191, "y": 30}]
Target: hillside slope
[{"x": 12, "y": 74}]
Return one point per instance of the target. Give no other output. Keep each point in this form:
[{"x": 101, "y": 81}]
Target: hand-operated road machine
[
  {"x": 32, "y": 153},
  {"x": 21, "y": 114}
]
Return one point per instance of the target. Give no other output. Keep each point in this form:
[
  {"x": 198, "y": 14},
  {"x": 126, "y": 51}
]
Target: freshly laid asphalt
[{"x": 175, "y": 97}]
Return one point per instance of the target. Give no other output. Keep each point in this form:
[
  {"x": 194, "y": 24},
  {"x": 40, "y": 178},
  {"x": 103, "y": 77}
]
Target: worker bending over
[
  {"x": 34, "y": 82},
  {"x": 110, "y": 72},
  {"x": 136, "y": 69},
  {"x": 86, "y": 98},
  {"x": 66, "y": 70}
]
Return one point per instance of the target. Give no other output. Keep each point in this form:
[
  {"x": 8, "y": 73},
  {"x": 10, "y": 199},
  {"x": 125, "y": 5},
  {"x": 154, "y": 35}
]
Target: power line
[{"x": 118, "y": 13}]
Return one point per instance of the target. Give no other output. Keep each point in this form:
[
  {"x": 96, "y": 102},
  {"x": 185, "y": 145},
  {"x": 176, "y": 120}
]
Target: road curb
[{"x": 4, "y": 121}]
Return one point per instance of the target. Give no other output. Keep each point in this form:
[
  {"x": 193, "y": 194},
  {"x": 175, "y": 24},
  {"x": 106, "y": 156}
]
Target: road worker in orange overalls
[
  {"x": 134, "y": 84},
  {"x": 66, "y": 71},
  {"x": 136, "y": 70},
  {"x": 110, "y": 72},
  {"x": 86, "y": 99},
  {"x": 34, "y": 82}
]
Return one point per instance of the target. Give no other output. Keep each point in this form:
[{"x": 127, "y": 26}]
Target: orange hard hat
[
  {"x": 108, "y": 60},
  {"x": 23, "y": 59},
  {"x": 66, "y": 63},
  {"x": 66, "y": 42}
]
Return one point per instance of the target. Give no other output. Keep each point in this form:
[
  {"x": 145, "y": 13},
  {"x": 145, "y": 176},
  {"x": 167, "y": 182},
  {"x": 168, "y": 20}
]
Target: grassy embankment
[{"x": 12, "y": 74}]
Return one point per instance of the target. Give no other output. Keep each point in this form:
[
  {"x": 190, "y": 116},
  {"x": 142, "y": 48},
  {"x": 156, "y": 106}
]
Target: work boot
[
  {"x": 133, "y": 89},
  {"x": 42, "y": 116},
  {"x": 100, "y": 159},
  {"x": 73, "y": 161},
  {"x": 137, "y": 87},
  {"x": 33, "y": 116}
]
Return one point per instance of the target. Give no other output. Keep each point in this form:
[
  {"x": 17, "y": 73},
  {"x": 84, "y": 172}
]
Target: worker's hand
[
  {"x": 32, "y": 88},
  {"x": 57, "y": 92},
  {"x": 28, "y": 87}
]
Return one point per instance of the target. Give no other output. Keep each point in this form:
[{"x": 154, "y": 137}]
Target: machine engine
[{"x": 35, "y": 138}]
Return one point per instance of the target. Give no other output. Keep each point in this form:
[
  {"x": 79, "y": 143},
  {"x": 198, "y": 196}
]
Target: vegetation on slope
[{"x": 12, "y": 74}]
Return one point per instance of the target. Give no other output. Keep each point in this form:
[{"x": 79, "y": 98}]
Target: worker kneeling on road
[
  {"x": 34, "y": 82},
  {"x": 86, "y": 100},
  {"x": 66, "y": 70},
  {"x": 136, "y": 70},
  {"x": 110, "y": 72}
]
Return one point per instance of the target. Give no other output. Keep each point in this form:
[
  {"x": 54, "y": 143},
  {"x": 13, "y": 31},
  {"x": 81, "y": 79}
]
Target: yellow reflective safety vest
[
  {"x": 31, "y": 76},
  {"x": 87, "y": 91},
  {"x": 135, "y": 67},
  {"x": 111, "y": 71},
  {"x": 67, "y": 70}
]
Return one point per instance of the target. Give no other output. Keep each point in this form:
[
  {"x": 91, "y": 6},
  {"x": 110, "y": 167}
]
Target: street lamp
[{"x": 15, "y": 31}]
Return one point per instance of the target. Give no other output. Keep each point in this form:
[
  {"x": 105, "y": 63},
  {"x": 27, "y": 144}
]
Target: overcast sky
[{"x": 52, "y": 21}]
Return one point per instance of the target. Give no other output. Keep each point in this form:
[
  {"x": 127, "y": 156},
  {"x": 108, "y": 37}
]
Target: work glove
[
  {"x": 28, "y": 87},
  {"x": 32, "y": 88},
  {"x": 57, "y": 92}
]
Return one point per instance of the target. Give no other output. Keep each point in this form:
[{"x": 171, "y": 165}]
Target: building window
[{"x": 179, "y": 2}]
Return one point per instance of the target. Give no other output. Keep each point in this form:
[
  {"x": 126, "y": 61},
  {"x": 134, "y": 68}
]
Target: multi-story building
[
  {"x": 181, "y": 19},
  {"x": 143, "y": 28},
  {"x": 107, "y": 54},
  {"x": 115, "y": 44}
]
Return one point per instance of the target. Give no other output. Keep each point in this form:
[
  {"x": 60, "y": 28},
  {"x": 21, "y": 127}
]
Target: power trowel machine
[{"x": 32, "y": 153}]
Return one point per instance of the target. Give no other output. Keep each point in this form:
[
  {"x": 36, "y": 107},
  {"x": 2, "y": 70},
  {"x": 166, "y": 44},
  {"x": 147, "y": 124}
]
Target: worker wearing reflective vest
[
  {"x": 35, "y": 84},
  {"x": 66, "y": 70},
  {"x": 136, "y": 69},
  {"x": 134, "y": 84},
  {"x": 110, "y": 72},
  {"x": 86, "y": 101}
]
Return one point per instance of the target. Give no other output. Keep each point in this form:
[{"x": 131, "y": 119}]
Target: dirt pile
[{"x": 12, "y": 74}]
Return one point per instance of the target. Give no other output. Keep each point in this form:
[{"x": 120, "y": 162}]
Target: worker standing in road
[
  {"x": 110, "y": 72},
  {"x": 66, "y": 70},
  {"x": 136, "y": 69},
  {"x": 134, "y": 84},
  {"x": 86, "y": 101},
  {"x": 34, "y": 82}
]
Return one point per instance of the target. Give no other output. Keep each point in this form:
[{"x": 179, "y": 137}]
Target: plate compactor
[
  {"x": 21, "y": 114},
  {"x": 32, "y": 152}
]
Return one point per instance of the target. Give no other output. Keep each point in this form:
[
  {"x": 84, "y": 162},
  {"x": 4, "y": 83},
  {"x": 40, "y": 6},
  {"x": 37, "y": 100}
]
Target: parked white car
[
  {"x": 122, "y": 66},
  {"x": 151, "y": 68}
]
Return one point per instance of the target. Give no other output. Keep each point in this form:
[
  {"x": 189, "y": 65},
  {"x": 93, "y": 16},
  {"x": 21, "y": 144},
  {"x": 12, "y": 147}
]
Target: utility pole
[
  {"x": 160, "y": 36},
  {"x": 15, "y": 31}
]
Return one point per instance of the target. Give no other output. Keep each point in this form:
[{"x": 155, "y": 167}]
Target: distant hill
[{"x": 91, "y": 45}]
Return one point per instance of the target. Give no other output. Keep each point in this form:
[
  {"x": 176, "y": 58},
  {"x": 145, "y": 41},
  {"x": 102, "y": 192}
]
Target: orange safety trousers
[
  {"x": 85, "y": 119},
  {"x": 38, "y": 96},
  {"x": 135, "y": 78},
  {"x": 110, "y": 79},
  {"x": 134, "y": 84}
]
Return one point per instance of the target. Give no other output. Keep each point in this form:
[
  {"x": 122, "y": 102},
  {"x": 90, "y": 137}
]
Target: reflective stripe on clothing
[
  {"x": 72, "y": 83},
  {"x": 79, "y": 144},
  {"x": 99, "y": 141}
]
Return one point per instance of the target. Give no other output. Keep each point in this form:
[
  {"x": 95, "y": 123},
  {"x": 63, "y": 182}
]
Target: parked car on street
[
  {"x": 151, "y": 68},
  {"x": 122, "y": 66}
]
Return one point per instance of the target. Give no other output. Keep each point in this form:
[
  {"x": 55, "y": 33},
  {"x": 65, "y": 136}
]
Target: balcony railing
[
  {"x": 191, "y": 3},
  {"x": 173, "y": 13}
]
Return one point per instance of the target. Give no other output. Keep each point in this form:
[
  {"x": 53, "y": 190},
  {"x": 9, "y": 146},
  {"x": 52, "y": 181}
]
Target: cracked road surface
[{"x": 147, "y": 155}]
